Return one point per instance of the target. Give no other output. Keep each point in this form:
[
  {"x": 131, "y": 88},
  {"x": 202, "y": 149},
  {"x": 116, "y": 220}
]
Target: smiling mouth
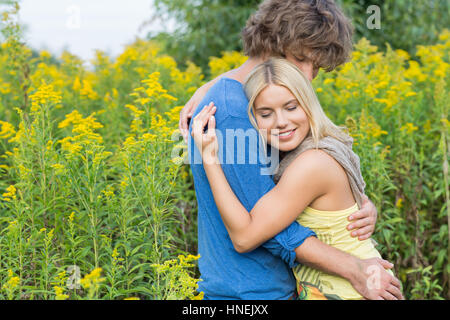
[{"x": 286, "y": 133}]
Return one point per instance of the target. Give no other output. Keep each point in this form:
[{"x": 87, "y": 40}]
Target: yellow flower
[
  {"x": 44, "y": 95},
  {"x": 167, "y": 62},
  {"x": 441, "y": 70},
  {"x": 76, "y": 84},
  {"x": 387, "y": 102},
  {"x": 445, "y": 35},
  {"x": 409, "y": 128},
  {"x": 6, "y": 130},
  {"x": 153, "y": 90},
  {"x": 371, "y": 91},
  {"x": 200, "y": 296},
  {"x": 44, "y": 54},
  {"x": 229, "y": 60},
  {"x": 71, "y": 216},
  {"x": 59, "y": 168},
  {"x": 381, "y": 85},
  {"x": 137, "y": 113},
  {"x": 415, "y": 72},
  {"x": 84, "y": 127},
  {"x": 108, "y": 193},
  {"x": 60, "y": 293},
  {"x": 87, "y": 91},
  {"x": 403, "y": 54},
  {"x": 124, "y": 182},
  {"x": 399, "y": 203},
  {"x": 10, "y": 194},
  {"x": 13, "y": 281},
  {"x": 92, "y": 279}
]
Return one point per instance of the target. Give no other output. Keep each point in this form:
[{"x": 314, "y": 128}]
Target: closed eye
[{"x": 299, "y": 59}]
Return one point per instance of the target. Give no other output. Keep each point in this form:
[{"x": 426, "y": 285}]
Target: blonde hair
[{"x": 283, "y": 73}]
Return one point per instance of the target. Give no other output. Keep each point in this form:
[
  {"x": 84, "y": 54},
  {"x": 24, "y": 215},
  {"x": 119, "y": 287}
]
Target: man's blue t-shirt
[{"x": 263, "y": 273}]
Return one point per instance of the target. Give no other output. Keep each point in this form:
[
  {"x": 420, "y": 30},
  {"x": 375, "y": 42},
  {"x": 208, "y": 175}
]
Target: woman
[{"x": 317, "y": 164}]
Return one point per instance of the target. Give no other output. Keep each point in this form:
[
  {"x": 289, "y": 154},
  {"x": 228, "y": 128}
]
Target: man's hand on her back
[
  {"x": 188, "y": 110},
  {"x": 363, "y": 221},
  {"x": 373, "y": 282}
]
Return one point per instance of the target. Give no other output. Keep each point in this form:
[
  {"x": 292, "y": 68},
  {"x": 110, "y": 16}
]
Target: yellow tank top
[{"x": 330, "y": 228}]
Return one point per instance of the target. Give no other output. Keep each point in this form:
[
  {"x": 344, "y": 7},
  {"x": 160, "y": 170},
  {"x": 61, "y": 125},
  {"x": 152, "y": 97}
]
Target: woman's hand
[{"x": 206, "y": 142}]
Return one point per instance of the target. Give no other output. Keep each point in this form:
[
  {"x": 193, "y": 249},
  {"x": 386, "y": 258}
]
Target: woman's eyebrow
[
  {"x": 290, "y": 101},
  {"x": 263, "y": 108},
  {"x": 269, "y": 108}
]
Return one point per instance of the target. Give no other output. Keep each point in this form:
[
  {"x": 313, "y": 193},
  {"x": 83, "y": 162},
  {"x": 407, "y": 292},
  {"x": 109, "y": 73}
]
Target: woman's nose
[{"x": 282, "y": 122}]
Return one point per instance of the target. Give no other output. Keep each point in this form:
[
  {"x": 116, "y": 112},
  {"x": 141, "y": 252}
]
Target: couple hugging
[{"x": 304, "y": 231}]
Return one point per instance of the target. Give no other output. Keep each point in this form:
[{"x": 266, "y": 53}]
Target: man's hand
[
  {"x": 363, "y": 221},
  {"x": 373, "y": 282},
  {"x": 206, "y": 142},
  {"x": 189, "y": 108},
  {"x": 368, "y": 276}
]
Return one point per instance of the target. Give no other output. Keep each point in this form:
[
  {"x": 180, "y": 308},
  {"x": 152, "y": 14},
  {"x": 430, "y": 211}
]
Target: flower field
[{"x": 96, "y": 202}]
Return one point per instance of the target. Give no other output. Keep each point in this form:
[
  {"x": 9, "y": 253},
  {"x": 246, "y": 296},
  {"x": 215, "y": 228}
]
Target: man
[{"x": 312, "y": 34}]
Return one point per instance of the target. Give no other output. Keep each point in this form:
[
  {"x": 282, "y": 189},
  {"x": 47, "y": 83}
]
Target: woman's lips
[{"x": 285, "y": 135}]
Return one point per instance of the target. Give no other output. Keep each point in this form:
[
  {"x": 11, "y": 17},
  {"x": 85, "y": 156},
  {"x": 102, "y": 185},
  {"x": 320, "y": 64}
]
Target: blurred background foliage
[{"x": 206, "y": 28}]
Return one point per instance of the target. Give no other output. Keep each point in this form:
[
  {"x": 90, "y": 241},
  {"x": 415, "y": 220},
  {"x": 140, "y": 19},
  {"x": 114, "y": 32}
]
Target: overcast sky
[{"x": 84, "y": 25}]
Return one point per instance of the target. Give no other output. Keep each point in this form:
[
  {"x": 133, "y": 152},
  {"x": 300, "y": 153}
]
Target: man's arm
[{"x": 368, "y": 276}]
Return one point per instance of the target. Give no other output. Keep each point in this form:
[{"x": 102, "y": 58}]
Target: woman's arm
[{"x": 273, "y": 212}]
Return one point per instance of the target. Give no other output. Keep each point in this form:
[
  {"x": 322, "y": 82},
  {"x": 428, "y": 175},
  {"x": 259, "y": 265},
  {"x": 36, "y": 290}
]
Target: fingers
[
  {"x": 211, "y": 124},
  {"x": 360, "y": 214},
  {"x": 388, "y": 296},
  {"x": 386, "y": 264},
  {"x": 202, "y": 118},
  {"x": 365, "y": 236},
  {"x": 395, "y": 282},
  {"x": 363, "y": 233},
  {"x": 395, "y": 292},
  {"x": 185, "y": 115},
  {"x": 363, "y": 222}
]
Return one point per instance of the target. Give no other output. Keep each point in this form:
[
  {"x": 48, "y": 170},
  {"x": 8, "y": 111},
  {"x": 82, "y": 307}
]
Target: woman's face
[{"x": 280, "y": 118}]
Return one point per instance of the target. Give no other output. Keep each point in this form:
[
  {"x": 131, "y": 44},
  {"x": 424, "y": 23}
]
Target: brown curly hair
[{"x": 317, "y": 29}]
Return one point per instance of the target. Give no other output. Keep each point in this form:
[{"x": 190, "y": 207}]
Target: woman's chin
[{"x": 285, "y": 147}]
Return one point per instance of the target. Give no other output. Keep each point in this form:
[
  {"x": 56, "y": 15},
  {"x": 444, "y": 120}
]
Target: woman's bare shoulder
[{"x": 314, "y": 164}]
